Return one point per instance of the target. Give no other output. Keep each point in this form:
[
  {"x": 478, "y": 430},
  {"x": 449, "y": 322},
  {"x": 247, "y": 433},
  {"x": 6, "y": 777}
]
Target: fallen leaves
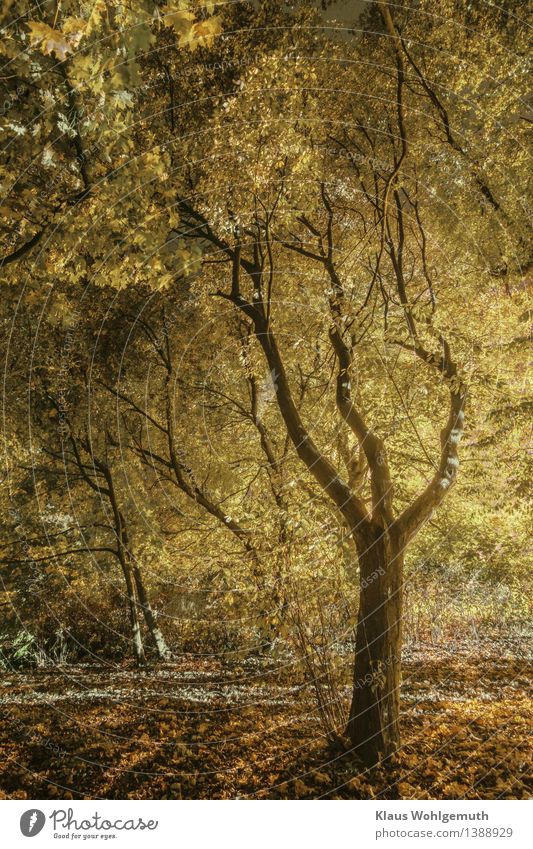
[{"x": 148, "y": 746}]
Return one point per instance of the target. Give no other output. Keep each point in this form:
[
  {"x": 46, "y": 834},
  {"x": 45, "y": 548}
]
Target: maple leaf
[
  {"x": 74, "y": 28},
  {"x": 205, "y": 32},
  {"x": 180, "y": 20},
  {"x": 52, "y": 41},
  {"x": 190, "y": 33}
]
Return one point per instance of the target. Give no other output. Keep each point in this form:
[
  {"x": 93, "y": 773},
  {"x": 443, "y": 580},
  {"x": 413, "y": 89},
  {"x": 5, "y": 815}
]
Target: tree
[
  {"x": 325, "y": 211},
  {"x": 381, "y": 206}
]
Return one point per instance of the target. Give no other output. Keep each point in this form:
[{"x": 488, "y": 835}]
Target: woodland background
[{"x": 266, "y": 278}]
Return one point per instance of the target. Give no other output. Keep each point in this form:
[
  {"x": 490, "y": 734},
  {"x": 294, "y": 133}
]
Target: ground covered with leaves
[{"x": 200, "y": 728}]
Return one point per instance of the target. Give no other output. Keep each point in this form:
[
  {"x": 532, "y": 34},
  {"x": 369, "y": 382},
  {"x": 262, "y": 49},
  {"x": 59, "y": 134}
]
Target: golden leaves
[
  {"x": 180, "y": 20},
  {"x": 191, "y": 33},
  {"x": 204, "y": 32},
  {"x": 55, "y": 42},
  {"x": 50, "y": 40}
]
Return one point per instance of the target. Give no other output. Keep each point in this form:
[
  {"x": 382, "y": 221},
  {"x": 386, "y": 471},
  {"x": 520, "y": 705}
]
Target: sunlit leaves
[
  {"x": 53, "y": 42},
  {"x": 192, "y": 33}
]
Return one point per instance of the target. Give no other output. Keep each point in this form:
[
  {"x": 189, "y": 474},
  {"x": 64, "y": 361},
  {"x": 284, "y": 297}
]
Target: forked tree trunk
[
  {"x": 373, "y": 725},
  {"x": 380, "y": 535},
  {"x": 163, "y": 651},
  {"x": 135, "y": 625}
]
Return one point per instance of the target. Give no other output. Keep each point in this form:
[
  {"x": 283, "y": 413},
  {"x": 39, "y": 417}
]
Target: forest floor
[{"x": 198, "y": 728}]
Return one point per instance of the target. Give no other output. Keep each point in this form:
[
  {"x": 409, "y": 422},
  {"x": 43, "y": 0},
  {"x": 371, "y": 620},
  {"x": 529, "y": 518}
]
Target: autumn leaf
[
  {"x": 190, "y": 33},
  {"x": 74, "y": 28},
  {"x": 179, "y": 19},
  {"x": 205, "y": 32},
  {"x": 52, "y": 41}
]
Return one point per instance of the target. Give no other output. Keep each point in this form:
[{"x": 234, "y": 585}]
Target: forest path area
[{"x": 198, "y": 728}]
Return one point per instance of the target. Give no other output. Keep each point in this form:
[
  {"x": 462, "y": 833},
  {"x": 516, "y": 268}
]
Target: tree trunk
[
  {"x": 163, "y": 651},
  {"x": 373, "y": 725},
  {"x": 136, "y": 636}
]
